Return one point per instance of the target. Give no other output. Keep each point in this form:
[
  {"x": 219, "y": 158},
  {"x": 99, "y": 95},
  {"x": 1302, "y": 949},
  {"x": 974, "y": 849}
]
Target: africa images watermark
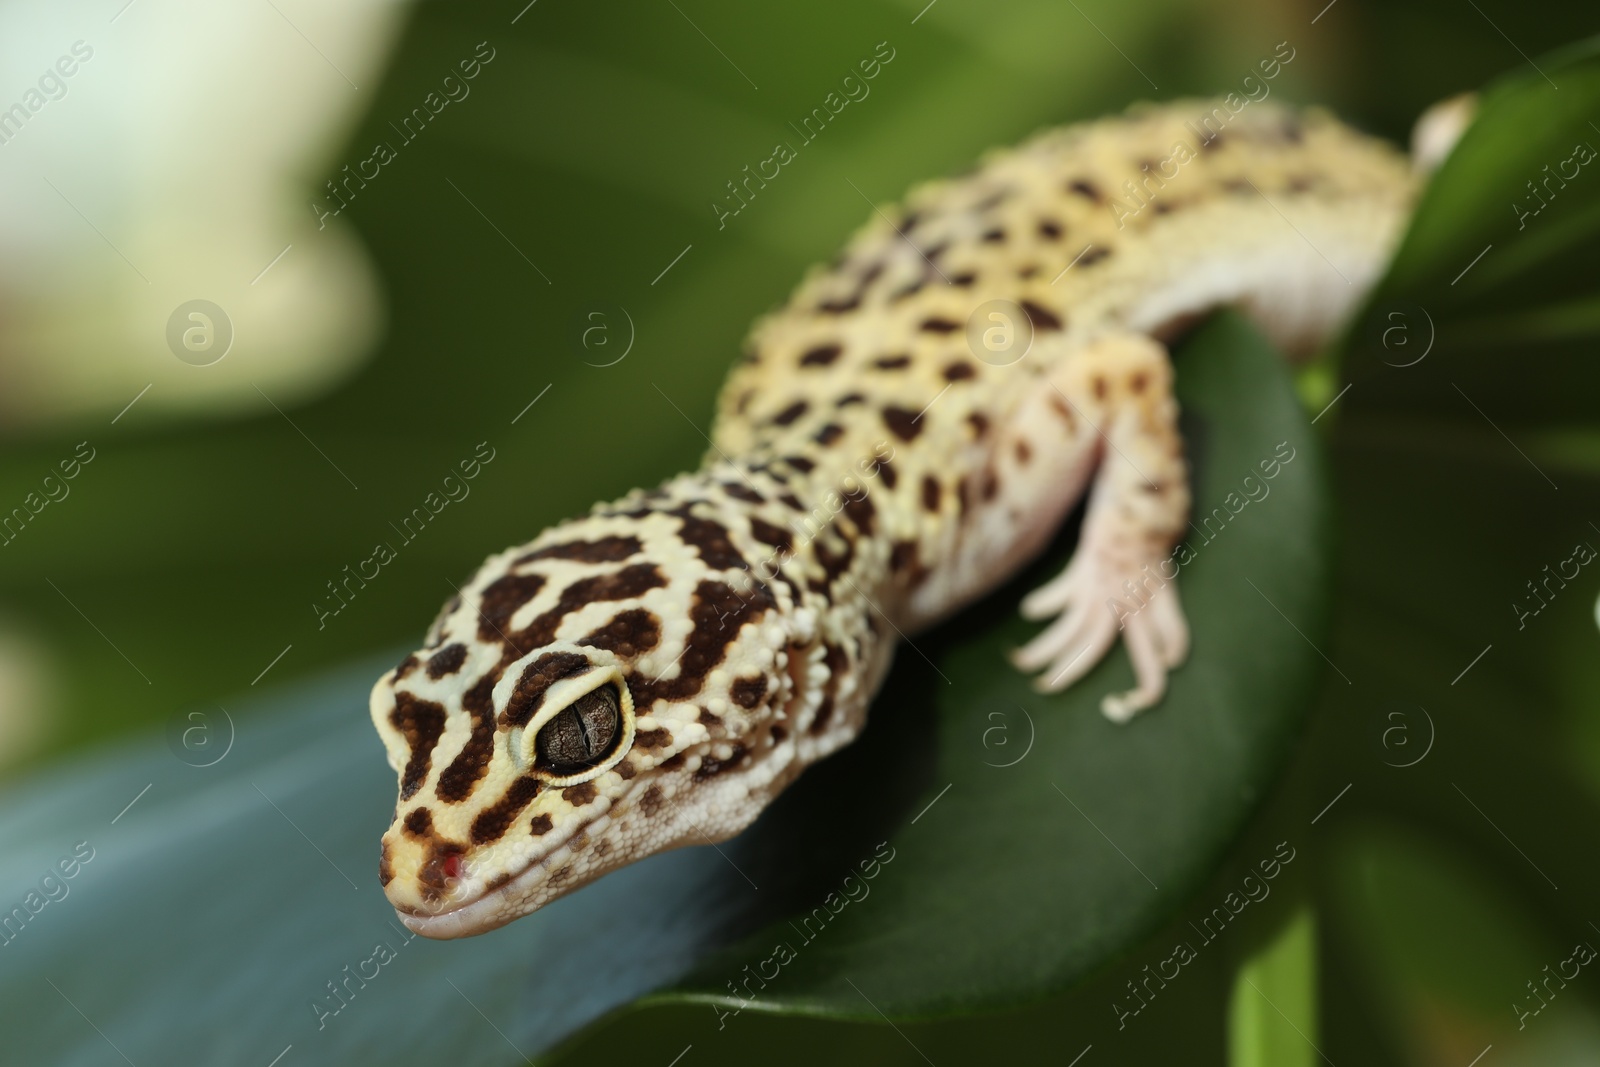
[
  {"x": 854, "y": 888},
  {"x": 55, "y": 490},
  {"x": 455, "y": 489},
  {"x": 1254, "y": 889},
  {"x": 1582, "y": 153},
  {"x": 51, "y": 85},
  {"x": 1162, "y": 171},
  {"x": 53, "y": 889},
  {"x": 383, "y": 953},
  {"x": 1142, "y": 592},
  {"x": 855, "y": 88},
  {"x": 411, "y": 126}
]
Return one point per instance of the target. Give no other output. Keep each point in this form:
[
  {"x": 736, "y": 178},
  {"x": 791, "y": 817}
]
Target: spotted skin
[{"x": 873, "y": 471}]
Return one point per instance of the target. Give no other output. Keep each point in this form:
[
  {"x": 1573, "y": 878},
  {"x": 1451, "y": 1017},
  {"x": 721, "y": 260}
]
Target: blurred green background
[{"x": 582, "y": 165}]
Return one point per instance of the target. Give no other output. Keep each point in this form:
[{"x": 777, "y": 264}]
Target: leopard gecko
[{"x": 899, "y": 438}]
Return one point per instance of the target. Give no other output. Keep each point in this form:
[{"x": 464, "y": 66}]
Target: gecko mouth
[{"x": 506, "y": 901}]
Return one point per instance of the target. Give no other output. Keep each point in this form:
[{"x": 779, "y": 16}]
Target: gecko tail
[{"x": 1439, "y": 128}]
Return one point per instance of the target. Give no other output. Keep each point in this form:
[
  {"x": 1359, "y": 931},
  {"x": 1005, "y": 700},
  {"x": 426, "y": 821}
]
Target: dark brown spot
[
  {"x": 834, "y": 563},
  {"x": 1060, "y": 407},
  {"x": 1093, "y": 256},
  {"x": 1049, "y": 229},
  {"x": 580, "y": 794},
  {"x": 821, "y": 356},
  {"x": 840, "y": 305},
  {"x": 1085, "y": 189},
  {"x": 492, "y": 823},
  {"x": 652, "y": 800},
  {"x": 892, "y": 362},
  {"x": 385, "y": 866},
  {"x": 500, "y": 600},
  {"x": 539, "y": 825},
  {"x": 748, "y": 692},
  {"x": 789, "y": 500},
  {"x": 447, "y": 660},
  {"x": 601, "y": 550},
  {"x": 419, "y": 822},
  {"x": 536, "y": 680},
  {"x": 959, "y": 371},
  {"x": 769, "y": 534},
  {"x": 885, "y": 470},
  {"x": 859, "y": 510},
  {"x": 930, "y": 492},
  {"x": 649, "y": 739},
  {"x": 630, "y": 633},
  {"x": 991, "y": 484},
  {"x": 964, "y": 280},
  {"x": 740, "y": 491},
  {"x": 456, "y": 781},
  {"x": 710, "y": 539},
  {"x": 848, "y": 399},
  {"x": 994, "y": 236},
  {"x": 1024, "y": 452},
  {"x": 902, "y": 422},
  {"x": 905, "y": 558},
  {"x": 710, "y": 766},
  {"x": 1138, "y": 382},
  {"x": 405, "y": 667},
  {"x": 1099, "y": 384},
  {"x": 938, "y": 325},
  {"x": 800, "y": 463},
  {"x": 829, "y": 434},
  {"x": 790, "y": 413},
  {"x": 980, "y": 424},
  {"x": 1042, "y": 318},
  {"x": 420, "y": 722},
  {"x": 778, "y": 734}
]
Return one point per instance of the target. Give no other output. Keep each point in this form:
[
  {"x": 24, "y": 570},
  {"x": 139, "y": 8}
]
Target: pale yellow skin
[{"x": 910, "y": 468}]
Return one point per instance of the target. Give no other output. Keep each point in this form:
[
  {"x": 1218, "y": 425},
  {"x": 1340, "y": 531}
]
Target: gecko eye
[{"x": 581, "y": 734}]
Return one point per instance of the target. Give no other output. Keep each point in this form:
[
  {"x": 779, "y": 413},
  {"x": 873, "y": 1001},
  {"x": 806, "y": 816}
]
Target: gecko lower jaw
[{"x": 495, "y": 907}]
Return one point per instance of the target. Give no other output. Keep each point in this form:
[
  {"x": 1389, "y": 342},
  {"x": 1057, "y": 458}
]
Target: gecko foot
[{"x": 1092, "y": 601}]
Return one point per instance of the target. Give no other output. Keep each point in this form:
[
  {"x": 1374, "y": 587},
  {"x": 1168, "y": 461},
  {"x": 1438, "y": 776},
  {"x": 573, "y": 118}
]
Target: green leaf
[
  {"x": 248, "y": 886},
  {"x": 1497, "y": 261},
  {"x": 1272, "y": 1013}
]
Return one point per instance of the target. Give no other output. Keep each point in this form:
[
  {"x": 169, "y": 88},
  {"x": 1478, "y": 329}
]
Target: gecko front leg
[{"x": 1121, "y": 386}]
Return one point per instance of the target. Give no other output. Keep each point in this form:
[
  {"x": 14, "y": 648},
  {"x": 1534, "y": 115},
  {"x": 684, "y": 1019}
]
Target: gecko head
[{"x": 524, "y": 775}]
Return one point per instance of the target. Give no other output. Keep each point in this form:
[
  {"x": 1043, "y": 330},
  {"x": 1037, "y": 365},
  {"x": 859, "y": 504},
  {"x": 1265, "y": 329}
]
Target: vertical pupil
[{"x": 582, "y": 732}]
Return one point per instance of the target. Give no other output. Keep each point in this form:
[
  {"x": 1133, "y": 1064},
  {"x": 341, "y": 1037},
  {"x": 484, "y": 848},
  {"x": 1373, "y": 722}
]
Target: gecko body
[{"x": 901, "y": 437}]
